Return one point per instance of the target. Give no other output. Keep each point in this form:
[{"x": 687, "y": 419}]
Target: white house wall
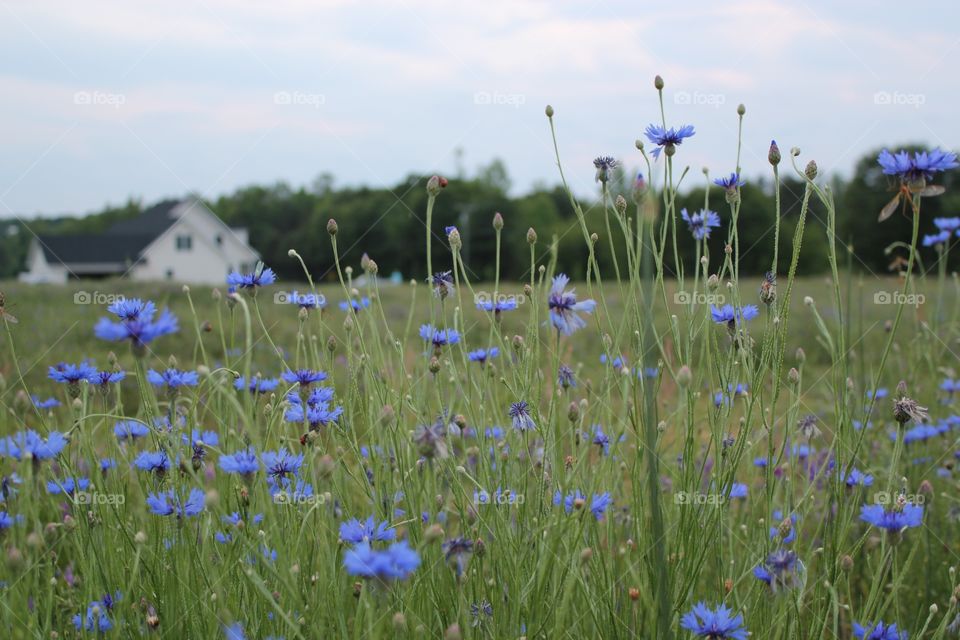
[
  {"x": 39, "y": 271},
  {"x": 205, "y": 262}
]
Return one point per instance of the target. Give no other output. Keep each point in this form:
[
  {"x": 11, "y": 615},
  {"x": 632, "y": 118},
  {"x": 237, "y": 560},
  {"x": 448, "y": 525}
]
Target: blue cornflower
[
  {"x": 937, "y": 238},
  {"x": 714, "y": 624},
  {"x": 564, "y": 306},
  {"x": 130, "y": 430},
  {"x": 200, "y": 441},
  {"x": 442, "y": 283},
  {"x": 480, "y": 611},
  {"x": 97, "y": 617},
  {"x": 729, "y": 316},
  {"x": 618, "y": 362},
  {"x": 7, "y": 520},
  {"x": 303, "y": 377},
  {"x": 104, "y": 378},
  {"x": 280, "y": 464},
  {"x": 67, "y": 486},
  {"x": 779, "y": 569},
  {"x": 138, "y": 322},
  {"x": 72, "y": 373},
  {"x": 520, "y": 414},
  {"x": 502, "y": 303},
  {"x": 257, "y": 384},
  {"x": 49, "y": 403},
  {"x": 921, "y": 166},
  {"x": 234, "y": 632},
  {"x": 259, "y": 278},
  {"x": 244, "y": 462},
  {"x": 947, "y": 224},
  {"x": 456, "y": 551},
  {"x": 107, "y": 463},
  {"x": 731, "y": 182},
  {"x": 878, "y": 631},
  {"x": 879, "y": 394},
  {"x": 857, "y": 478},
  {"x": 482, "y": 355},
  {"x": 172, "y": 378},
  {"x": 439, "y": 337},
  {"x": 896, "y": 519},
  {"x": 667, "y": 139},
  {"x": 738, "y": 490},
  {"x": 290, "y": 488},
  {"x": 599, "y": 504},
  {"x": 604, "y": 166},
  {"x": 319, "y": 413},
  {"x": 355, "y": 304},
  {"x": 153, "y": 461},
  {"x": 701, "y": 222},
  {"x": 234, "y": 518},
  {"x": 355, "y": 531},
  {"x": 565, "y": 377},
  {"x": 29, "y": 443},
  {"x": 395, "y": 563},
  {"x": 779, "y": 519},
  {"x": 166, "y": 503},
  {"x": 601, "y": 439}
]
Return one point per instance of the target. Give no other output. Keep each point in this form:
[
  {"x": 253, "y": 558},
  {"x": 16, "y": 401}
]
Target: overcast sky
[{"x": 104, "y": 100}]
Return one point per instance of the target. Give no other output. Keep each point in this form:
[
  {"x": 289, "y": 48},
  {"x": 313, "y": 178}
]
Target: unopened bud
[
  {"x": 773, "y": 155},
  {"x": 620, "y": 204},
  {"x": 497, "y": 221},
  {"x": 332, "y": 227},
  {"x": 684, "y": 377}
]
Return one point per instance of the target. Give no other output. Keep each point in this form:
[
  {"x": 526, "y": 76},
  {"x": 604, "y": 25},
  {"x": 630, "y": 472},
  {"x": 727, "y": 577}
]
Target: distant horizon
[{"x": 514, "y": 191}]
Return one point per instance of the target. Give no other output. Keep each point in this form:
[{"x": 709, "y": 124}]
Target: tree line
[{"x": 388, "y": 223}]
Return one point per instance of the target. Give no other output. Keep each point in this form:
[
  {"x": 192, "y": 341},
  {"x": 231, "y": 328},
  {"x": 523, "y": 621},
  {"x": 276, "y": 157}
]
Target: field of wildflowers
[{"x": 667, "y": 450}]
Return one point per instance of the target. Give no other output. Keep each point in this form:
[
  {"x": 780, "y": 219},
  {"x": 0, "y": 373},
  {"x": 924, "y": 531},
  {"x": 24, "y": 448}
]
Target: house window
[
  {"x": 184, "y": 243},
  {"x": 219, "y": 240},
  {"x": 169, "y": 274}
]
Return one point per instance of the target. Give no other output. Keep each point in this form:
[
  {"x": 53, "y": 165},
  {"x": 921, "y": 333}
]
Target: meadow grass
[{"x": 669, "y": 451}]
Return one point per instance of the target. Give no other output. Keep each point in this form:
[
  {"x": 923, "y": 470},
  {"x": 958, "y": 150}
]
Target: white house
[{"x": 180, "y": 240}]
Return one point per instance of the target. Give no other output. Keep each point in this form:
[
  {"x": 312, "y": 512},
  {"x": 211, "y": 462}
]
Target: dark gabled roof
[
  {"x": 102, "y": 248},
  {"x": 151, "y": 222},
  {"x": 121, "y": 244}
]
